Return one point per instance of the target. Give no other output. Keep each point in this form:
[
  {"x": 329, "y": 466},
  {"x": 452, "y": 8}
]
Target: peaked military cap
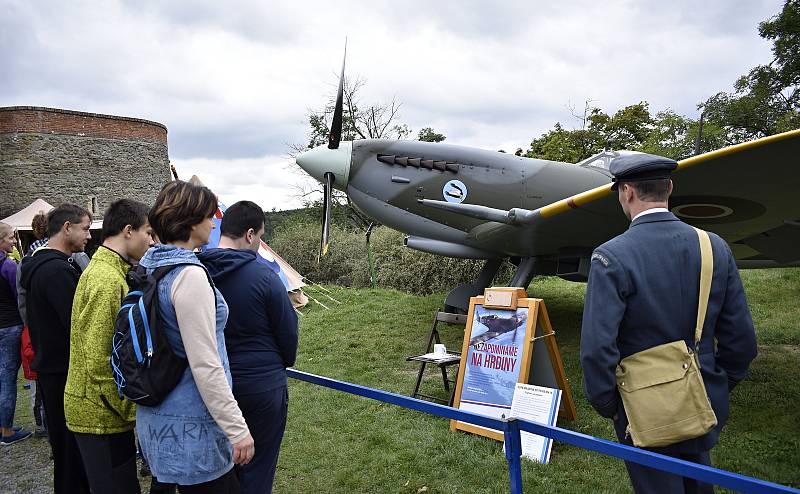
[{"x": 639, "y": 167}]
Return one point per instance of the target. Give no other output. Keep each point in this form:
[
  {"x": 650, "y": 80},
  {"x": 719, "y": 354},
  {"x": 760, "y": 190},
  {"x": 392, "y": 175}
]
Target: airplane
[
  {"x": 546, "y": 216},
  {"x": 497, "y": 326}
]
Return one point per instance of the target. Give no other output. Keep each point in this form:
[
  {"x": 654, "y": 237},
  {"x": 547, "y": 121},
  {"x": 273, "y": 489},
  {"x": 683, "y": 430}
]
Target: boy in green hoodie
[{"x": 103, "y": 422}]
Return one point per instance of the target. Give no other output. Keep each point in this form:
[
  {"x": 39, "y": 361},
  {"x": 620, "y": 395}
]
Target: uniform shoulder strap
[{"x": 706, "y": 272}]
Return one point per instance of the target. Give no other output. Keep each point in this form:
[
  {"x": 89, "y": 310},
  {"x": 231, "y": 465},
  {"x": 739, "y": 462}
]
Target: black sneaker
[{"x": 15, "y": 438}]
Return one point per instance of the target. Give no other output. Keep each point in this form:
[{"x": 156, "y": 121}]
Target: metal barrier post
[{"x": 513, "y": 445}]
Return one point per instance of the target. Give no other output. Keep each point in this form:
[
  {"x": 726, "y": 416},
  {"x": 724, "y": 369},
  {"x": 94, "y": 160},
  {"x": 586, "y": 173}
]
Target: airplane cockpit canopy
[{"x": 602, "y": 160}]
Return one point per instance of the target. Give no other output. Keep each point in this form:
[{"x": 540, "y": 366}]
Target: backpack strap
[
  {"x": 162, "y": 271},
  {"x": 706, "y": 272}
]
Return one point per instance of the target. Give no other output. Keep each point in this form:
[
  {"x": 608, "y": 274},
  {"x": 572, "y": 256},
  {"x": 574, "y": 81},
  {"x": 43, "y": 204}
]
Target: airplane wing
[{"x": 747, "y": 194}]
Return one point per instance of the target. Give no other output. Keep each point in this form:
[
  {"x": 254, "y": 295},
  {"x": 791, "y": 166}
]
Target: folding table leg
[{"x": 419, "y": 379}]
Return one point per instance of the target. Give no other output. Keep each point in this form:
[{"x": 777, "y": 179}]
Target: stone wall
[{"x": 83, "y": 158}]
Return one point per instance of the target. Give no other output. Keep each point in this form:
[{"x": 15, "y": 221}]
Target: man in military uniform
[{"x": 643, "y": 292}]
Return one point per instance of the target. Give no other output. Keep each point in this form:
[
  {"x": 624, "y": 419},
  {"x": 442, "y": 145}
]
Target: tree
[
  {"x": 626, "y": 129},
  {"x": 675, "y": 136},
  {"x": 359, "y": 120},
  {"x": 766, "y": 101},
  {"x": 428, "y": 135},
  {"x": 632, "y": 128},
  {"x": 559, "y": 144}
]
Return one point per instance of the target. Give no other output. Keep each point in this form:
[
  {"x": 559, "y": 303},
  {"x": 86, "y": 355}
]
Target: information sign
[{"x": 500, "y": 347}]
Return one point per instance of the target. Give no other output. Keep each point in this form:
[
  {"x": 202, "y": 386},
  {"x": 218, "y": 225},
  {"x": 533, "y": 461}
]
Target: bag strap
[
  {"x": 162, "y": 271},
  {"x": 706, "y": 272}
]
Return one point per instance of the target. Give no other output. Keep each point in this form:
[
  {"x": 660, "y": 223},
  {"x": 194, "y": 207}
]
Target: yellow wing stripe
[
  {"x": 574, "y": 202},
  {"x": 736, "y": 148}
]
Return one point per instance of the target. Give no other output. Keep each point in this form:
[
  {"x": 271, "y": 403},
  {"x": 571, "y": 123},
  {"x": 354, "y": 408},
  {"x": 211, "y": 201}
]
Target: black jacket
[
  {"x": 261, "y": 332},
  {"x": 9, "y": 311},
  {"x": 50, "y": 281}
]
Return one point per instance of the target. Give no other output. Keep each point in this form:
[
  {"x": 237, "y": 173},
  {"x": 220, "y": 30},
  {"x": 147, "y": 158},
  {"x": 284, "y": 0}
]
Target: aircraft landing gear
[
  {"x": 525, "y": 272},
  {"x": 457, "y": 300}
]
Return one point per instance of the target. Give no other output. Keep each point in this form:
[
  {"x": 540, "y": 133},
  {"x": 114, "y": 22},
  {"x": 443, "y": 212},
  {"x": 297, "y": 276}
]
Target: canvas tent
[
  {"x": 21, "y": 220},
  {"x": 292, "y": 280}
]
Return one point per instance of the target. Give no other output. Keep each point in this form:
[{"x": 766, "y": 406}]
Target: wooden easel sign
[{"x": 507, "y": 335}]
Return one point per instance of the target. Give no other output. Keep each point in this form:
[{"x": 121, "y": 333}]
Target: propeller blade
[
  {"x": 326, "y": 215},
  {"x": 335, "y": 135}
]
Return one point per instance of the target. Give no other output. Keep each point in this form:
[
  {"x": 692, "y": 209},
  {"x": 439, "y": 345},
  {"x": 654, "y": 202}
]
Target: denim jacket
[{"x": 179, "y": 438}]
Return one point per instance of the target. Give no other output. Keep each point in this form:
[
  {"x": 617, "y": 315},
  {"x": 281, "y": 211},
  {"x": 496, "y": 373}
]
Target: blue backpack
[{"x": 145, "y": 367}]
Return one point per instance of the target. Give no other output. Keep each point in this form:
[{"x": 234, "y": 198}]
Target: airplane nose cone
[{"x": 321, "y": 160}]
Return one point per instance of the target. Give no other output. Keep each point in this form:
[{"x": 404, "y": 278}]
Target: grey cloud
[
  {"x": 270, "y": 22},
  {"x": 223, "y": 144},
  {"x": 472, "y": 18}
]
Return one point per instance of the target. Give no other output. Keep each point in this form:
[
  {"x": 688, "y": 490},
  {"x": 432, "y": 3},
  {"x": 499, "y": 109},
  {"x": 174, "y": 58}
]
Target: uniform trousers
[
  {"x": 265, "y": 413},
  {"x": 69, "y": 476},
  {"x": 646, "y": 480}
]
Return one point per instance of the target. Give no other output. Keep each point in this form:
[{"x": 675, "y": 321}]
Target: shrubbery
[{"x": 396, "y": 266}]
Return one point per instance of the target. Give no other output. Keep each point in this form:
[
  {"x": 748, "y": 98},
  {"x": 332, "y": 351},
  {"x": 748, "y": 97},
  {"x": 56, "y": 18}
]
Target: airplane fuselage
[{"x": 388, "y": 178}]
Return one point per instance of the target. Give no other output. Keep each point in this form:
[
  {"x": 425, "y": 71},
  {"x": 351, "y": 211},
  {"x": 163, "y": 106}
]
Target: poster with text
[
  {"x": 536, "y": 404},
  {"x": 493, "y": 360}
]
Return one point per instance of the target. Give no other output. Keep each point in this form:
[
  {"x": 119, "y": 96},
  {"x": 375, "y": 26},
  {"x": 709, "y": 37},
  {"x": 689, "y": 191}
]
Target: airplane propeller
[
  {"x": 334, "y": 138},
  {"x": 326, "y": 215},
  {"x": 335, "y": 134}
]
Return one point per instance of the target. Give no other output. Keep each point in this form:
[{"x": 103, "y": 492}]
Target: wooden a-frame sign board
[{"x": 540, "y": 362}]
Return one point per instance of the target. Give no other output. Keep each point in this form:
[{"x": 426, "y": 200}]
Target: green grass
[
  {"x": 337, "y": 443},
  {"x": 340, "y": 443}
]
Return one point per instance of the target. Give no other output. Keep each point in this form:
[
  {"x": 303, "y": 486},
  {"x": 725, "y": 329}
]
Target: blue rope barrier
[{"x": 511, "y": 431}]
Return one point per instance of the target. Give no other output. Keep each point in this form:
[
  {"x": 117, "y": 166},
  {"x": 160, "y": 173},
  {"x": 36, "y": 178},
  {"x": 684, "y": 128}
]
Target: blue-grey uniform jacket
[{"x": 643, "y": 292}]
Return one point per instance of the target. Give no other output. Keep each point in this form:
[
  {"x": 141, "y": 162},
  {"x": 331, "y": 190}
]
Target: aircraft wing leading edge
[{"x": 747, "y": 194}]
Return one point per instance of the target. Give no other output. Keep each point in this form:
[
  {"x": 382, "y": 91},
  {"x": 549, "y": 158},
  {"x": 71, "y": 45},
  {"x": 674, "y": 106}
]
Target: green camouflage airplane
[{"x": 547, "y": 216}]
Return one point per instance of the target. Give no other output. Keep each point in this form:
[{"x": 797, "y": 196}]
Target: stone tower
[{"x": 83, "y": 158}]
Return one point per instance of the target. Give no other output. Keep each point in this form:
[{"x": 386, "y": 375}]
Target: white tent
[
  {"x": 21, "y": 220},
  {"x": 292, "y": 280}
]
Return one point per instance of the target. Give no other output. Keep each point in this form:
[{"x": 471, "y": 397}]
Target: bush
[{"x": 396, "y": 266}]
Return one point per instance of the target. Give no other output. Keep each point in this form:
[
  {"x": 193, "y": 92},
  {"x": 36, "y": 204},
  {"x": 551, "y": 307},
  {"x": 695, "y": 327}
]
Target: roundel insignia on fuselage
[{"x": 454, "y": 191}]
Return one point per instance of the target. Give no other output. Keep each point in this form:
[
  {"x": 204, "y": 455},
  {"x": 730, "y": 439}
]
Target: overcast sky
[{"x": 233, "y": 81}]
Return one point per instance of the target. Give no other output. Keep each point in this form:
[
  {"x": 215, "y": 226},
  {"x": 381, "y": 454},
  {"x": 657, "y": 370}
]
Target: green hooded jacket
[{"x": 91, "y": 402}]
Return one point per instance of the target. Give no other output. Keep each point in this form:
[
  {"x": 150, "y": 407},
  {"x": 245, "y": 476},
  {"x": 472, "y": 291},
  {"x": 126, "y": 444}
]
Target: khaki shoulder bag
[{"x": 662, "y": 388}]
